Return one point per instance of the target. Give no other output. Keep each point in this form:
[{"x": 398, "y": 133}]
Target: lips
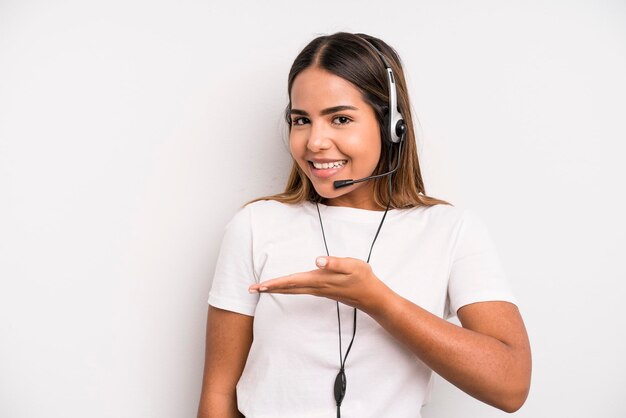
[{"x": 325, "y": 173}]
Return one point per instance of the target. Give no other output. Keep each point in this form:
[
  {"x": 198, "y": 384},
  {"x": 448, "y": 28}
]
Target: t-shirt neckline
[{"x": 346, "y": 213}]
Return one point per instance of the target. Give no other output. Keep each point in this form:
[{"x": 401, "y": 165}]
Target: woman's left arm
[{"x": 488, "y": 357}]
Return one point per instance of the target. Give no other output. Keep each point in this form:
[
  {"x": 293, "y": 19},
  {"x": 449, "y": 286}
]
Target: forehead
[{"x": 318, "y": 88}]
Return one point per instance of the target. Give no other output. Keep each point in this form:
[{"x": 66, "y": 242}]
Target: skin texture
[
  {"x": 228, "y": 341},
  {"x": 351, "y": 135},
  {"x": 488, "y": 357}
]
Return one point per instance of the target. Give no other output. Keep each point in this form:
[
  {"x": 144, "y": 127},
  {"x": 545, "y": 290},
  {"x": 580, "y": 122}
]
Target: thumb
[{"x": 338, "y": 264}]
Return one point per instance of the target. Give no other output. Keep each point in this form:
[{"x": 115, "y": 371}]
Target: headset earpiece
[{"x": 401, "y": 129}]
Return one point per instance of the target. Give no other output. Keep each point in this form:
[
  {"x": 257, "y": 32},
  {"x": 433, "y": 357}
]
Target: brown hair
[{"x": 350, "y": 57}]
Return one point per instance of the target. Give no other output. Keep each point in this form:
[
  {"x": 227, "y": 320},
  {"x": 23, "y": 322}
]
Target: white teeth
[{"x": 334, "y": 164}]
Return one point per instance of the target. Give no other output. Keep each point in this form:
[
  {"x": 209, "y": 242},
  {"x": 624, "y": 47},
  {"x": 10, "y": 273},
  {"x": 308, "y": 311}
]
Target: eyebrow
[{"x": 324, "y": 112}]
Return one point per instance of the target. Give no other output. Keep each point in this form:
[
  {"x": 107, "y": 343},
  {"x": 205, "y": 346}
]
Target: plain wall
[{"x": 131, "y": 131}]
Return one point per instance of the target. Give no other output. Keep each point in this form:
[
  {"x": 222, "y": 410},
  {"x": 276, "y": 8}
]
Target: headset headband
[{"x": 397, "y": 126}]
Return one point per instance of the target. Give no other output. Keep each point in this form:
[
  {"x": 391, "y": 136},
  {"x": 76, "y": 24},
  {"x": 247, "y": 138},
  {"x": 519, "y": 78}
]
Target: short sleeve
[
  {"x": 234, "y": 270},
  {"x": 476, "y": 273}
]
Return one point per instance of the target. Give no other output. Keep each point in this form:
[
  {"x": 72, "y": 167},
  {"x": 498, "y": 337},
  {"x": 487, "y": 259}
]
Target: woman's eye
[
  {"x": 338, "y": 120},
  {"x": 342, "y": 120},
  {"x": 298, "y": 121}
]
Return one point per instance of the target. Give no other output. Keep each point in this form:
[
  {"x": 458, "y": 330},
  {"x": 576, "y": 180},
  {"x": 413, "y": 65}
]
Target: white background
[{"x": 132, "y": 130}]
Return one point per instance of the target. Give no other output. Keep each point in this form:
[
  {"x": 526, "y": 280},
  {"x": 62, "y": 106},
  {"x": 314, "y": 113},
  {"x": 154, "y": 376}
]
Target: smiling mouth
[
  {"x": 326, "y": 166},
  {"x": 327, "y": 170}
]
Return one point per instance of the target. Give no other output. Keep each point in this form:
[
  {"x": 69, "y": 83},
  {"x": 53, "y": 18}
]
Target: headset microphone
[{"x": 397, "y": 126}]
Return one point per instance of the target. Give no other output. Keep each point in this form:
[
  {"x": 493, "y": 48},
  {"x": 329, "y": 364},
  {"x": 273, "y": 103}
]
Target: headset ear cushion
[{"x": 401, "y": 129}]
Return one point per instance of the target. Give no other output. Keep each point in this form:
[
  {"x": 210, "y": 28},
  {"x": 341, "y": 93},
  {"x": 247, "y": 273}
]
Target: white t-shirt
[{"x": 439, "y": 257}]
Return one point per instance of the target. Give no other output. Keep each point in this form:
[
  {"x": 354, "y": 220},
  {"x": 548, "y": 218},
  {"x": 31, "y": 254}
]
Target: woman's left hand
[{"x": 347, "y": 280}]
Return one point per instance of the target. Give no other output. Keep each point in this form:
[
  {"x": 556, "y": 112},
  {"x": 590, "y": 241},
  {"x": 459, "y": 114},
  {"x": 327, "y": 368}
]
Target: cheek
[
  {"x": 297, "y": 148},
  {"x": 364, "y": 147}
]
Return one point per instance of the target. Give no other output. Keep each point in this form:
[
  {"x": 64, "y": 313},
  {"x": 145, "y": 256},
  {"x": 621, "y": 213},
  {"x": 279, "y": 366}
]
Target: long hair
[{"x": 350, "y": 57}]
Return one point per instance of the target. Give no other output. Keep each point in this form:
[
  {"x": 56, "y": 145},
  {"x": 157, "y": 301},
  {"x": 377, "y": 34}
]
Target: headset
[{"x": 397, "y": 128}]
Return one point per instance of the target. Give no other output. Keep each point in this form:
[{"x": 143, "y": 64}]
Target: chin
[
  {"x": 328, "y": 191},
  {"x": 331, "y": 193}
]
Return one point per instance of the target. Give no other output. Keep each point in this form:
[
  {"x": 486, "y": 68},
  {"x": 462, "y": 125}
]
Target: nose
[{"x": 318, "y": 139}]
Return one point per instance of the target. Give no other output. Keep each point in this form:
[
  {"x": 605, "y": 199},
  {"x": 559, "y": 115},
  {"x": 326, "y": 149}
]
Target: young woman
[{"x": 332, "y": 299}]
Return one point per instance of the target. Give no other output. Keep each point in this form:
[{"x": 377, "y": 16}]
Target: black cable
[{"x": 340, "y": 380}]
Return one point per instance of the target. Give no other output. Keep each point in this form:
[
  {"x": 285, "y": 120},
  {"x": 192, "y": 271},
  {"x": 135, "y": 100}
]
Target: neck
[{"x": 367, "y": 205}]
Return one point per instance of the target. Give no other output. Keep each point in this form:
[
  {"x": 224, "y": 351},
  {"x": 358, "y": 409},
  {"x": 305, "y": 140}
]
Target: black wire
[{"x": 342, "y": 361}]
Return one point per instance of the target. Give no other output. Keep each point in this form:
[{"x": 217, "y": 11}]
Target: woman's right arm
[{"x": 228, "y": 341}]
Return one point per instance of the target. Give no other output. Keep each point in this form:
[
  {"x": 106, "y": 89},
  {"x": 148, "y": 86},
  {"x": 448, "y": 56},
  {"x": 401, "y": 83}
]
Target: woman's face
[{"x": 334, "y": 136}]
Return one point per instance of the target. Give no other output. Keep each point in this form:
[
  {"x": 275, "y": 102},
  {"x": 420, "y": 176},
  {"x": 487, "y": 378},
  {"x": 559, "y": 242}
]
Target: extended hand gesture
[{"x": 347, "y": 280}]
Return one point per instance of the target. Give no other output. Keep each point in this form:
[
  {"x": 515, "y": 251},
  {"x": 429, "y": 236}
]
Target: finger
[
  {"x": 297, "y": 280},
  {"x": 344, "y": 265},
  {"x": 293, "y": 290}
]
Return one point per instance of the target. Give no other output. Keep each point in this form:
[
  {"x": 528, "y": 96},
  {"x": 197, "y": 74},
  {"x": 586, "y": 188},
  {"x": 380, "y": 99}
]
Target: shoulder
[
  {"x": 443, "y": 214},
  {"x": 273, "y": 207},
  {"x": 261, "y": 219},
  {"x": 269, "y": 212},
  {"x": 451, "y": 221},
  {"x": 466, "y": 228}
]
